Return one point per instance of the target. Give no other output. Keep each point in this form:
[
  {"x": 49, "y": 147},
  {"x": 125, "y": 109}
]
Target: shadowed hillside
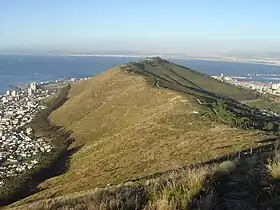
[
  {"x": 191, "y": 81},
  {"x": 224, "y": 99},
  {"x": 146, "y": 117}
]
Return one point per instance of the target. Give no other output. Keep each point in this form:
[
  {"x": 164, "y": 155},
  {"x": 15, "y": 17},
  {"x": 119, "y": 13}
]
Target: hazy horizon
[{"x": 181, "y": 27}]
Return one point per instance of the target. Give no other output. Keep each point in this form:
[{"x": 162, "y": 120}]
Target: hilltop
[{"x": 146, "y": 117}]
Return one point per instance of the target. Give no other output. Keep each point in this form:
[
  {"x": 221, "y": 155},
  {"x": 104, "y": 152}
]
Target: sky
[{"x": 159, "y": 26}]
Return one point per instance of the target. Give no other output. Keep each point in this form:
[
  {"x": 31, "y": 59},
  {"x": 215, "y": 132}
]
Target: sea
[{"x": 22, "y": 69}]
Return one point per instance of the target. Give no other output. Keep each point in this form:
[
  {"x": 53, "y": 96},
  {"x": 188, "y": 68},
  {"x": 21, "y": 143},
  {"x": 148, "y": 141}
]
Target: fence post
[{"x": 276, "y": 145}]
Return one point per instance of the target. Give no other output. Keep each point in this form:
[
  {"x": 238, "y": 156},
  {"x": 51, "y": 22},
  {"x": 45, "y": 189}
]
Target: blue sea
[{"x": 16, "y": 70}]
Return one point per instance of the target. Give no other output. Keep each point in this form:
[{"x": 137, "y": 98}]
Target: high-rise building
[
  {"x": 8, "y": 92},
  {"x": 33, "y": 86},
  {"x": 29, "y": 92},
  {"x": 13, "y": 93}
]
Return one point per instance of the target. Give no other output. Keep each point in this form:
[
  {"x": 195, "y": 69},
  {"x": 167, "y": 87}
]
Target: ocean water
[
  {"x": 15, "y": 70},
  {"x": 215, "y": 68}
]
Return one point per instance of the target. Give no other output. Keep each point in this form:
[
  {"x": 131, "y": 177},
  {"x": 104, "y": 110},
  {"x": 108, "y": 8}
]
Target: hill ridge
[
  {"x": 139, "y": 66},
  {"x": 145, "y": 117}
]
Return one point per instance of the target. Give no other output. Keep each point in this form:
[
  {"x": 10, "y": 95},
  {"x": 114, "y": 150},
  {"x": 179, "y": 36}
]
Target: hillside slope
[
  {"x": 127, "y": 126},
  {"x": 186, "y": 80}
]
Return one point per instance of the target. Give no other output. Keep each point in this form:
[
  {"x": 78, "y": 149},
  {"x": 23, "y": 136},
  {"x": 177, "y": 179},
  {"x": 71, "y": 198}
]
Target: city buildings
[
  {"x": 20, "y": 149},
  {"x": 261, "y": 87}
]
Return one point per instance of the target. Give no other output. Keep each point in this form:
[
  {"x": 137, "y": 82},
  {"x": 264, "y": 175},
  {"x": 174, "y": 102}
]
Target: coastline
[
  {"x": 223, "y": 60},
  {"x": 143, "y": 56},
  {"x": 168, "y": 57},
  {"x": 45, "y": 84},
  {"x": 180, "y": 57}
]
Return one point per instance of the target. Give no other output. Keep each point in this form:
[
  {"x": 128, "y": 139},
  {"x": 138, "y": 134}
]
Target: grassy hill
[
  {"x": 147, "y": 117},
  {"x": 187, "y": 80}
]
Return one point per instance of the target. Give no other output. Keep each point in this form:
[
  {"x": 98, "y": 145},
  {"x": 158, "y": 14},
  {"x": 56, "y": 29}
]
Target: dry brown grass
[
  {"x": 129, "y": 129},
  {"x": 273, "y": 167},
  {"x": 175, "y": 190},
  {"x": 179, "y": 189}
]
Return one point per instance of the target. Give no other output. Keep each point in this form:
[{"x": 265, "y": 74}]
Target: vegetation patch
[
  {"x": 175, "y": 190},
  {"x": 245, "y": 117}
]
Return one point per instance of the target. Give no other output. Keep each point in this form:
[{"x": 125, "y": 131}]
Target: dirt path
[{"x": 241, "y": 189}]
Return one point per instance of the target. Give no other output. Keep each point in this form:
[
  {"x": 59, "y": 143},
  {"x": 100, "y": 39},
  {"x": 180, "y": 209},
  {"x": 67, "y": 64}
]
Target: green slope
[
  {"x": 223, "y": 98},
  {"x": 180, "y": 78}
]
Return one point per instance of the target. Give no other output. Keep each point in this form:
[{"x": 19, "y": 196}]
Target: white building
[
  {"x": 29, "y": 92},
  {"x": 8, "y": 92},
  {"x": 30, "y": 104},
  {"x": 33, "y": 86},
  {"x": 14, "y": 93},
  {"x": 29, "y": 131},
  {"x": 4, "y": 100},
  {"x": 275, "y": 86}
]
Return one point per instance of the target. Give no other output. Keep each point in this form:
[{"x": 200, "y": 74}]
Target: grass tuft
[
  {"x": 174, "y": 190},
  {"x": 274, "y": 169}
]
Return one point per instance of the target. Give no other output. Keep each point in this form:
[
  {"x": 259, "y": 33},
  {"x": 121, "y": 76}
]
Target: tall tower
[
  {"x": 14, "y": 93},
  {"x": 222, "y": 75},
  {"x": 29, "y": 92},
  {"x": 33, "y": 86}
]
